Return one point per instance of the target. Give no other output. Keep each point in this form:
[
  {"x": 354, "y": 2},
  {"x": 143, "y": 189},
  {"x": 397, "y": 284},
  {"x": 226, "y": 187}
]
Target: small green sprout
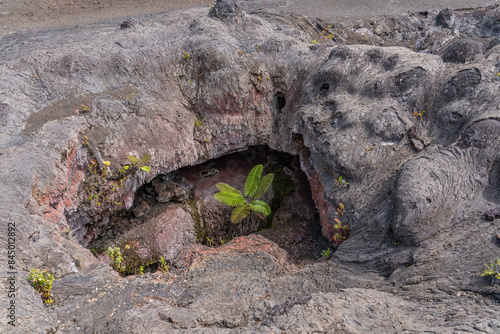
[
  {"x": 135, "y": 162},
  {"x": 340, "y": 182},
  {"x": 198, "y": 122},
  {"x": 326, "y": 253},
  {"x": 115, "y": 255},
  {"x": 492, "y": 271},
  {"x": 42, "y": 282},
  {"x": 211, "y": 242},
  {"x": 164, "y": 267}
]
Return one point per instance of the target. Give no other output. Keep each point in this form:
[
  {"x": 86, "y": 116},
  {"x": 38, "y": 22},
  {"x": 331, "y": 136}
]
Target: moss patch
[{"x": 195, "y": 214}]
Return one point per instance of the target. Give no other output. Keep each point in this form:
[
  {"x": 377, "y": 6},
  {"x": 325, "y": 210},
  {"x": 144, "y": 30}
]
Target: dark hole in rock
[
  {"x": 298, "y": 138},
  {"x": 279, "y": 101},
  {"x": 324, "y": 88},
  {"x": 129, "y": 23},
  {"x": 323, "y": 91},
  {"x": 178, "y": 209}
]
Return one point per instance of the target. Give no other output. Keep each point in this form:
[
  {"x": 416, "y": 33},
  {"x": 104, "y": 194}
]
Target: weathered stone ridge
[{"x": 405, "y": 109}]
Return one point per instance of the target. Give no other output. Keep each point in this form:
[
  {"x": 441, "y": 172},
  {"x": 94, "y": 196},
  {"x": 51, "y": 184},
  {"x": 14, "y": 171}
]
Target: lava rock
[
  {"x": 387, "y": 126},
  {"x": 462, "y": 85},
  {"x": 226, "y": 10},
  {"x": 417, "y": 144},
  {"x": 341, "y": 52},
  {"x": 171, "y": 191},
  {"x": 461, "y": 51},
  {"x": 417, "y": 242},
  {"x": 494, "y": 42},
  {"x": 141, "y": 209},
  {"x": 445, "y": 18},
  {"x": 480, "y": 134},
  {"x": 492, "y": 214},
  {"x": 408, "y": 83},
  {"x": 165, "y": 235},
  {"x": 127, "y": 24}
]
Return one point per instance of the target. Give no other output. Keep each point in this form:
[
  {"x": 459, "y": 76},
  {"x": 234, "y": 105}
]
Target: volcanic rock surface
[{"x": 347, "y": 99}]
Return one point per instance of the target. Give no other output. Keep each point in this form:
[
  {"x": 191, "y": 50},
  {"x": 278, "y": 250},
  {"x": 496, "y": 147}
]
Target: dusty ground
[
  {"x": 18, "y": 15},
  {"x": 61, "y": 14}
]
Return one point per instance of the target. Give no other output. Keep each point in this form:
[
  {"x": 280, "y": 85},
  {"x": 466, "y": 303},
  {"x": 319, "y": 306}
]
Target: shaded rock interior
[{"x": 177, "y": 209}]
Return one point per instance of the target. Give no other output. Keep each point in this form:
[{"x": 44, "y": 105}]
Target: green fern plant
[
  {"x": 255, "y": 187},
  {"x": 326, "y": 253}
]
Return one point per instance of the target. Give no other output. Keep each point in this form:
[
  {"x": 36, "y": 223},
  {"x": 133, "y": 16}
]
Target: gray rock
[
  {"x": 445, "y": 18},
  {"x": 461, "y": 51},
  {"x": 417, "y": 243},
  {"x": 226, "y": 10}
]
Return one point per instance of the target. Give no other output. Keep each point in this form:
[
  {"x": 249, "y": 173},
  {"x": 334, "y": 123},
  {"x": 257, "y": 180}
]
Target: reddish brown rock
[
  {"x": 163, "y": 236},
  {"x": 251, "y": 245},
  {"x": 323, "y": 206},
  {"x": 141, "y": 209}
]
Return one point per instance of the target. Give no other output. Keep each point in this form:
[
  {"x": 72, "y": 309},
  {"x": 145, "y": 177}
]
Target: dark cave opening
[
  {"x": 293, "y": 224},
  {"x": 279, "y": 102},
  {"x": 324, "y": 88}
]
